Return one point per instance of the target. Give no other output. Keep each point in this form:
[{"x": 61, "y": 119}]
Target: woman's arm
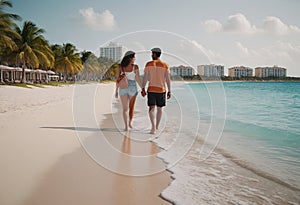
[
  {"x": 117, "y": 80},
  {"x": 137, "y": 75},
  {"x": 118, "y": 71}
]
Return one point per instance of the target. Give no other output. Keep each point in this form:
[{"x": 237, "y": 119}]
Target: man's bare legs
[
  {"x": 158, "y": 116},
  {"x": 152, "y": 119},
  {"x": 125, "y": 105}
]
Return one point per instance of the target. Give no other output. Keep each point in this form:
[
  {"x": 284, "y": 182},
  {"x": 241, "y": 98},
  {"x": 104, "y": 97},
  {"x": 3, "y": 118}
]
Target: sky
[{"x": 249, "y": 33}]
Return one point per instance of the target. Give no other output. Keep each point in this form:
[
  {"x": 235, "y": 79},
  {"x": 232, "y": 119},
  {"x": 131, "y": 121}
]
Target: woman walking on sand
[{"x": 128, "y": 95}]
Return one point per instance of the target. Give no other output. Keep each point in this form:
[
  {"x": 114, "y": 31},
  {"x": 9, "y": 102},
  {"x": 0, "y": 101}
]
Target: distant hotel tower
[
  {"x": 113, "y": 51},
  {"x": 181, "y": 71},
  {"x": 240, "y": 71},
  {"x": 265, "y": 72},
  {"x": 210, "y": 70}
]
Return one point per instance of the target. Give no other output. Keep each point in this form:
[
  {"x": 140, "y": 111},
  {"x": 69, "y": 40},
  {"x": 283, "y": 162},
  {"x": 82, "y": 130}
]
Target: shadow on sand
[
  {"x": 76, "y": 179},
  {"x": 87, "y": 129}
]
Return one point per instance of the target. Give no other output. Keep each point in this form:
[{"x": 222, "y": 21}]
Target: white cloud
[
  {"x": 197, "y": 54},
  {"x": 238, "y": 23},
  {"x": 242, "y": 49},
  {"x": 104, "y": 21},
  {"x": 275, "y": 25},
  {"x": 281, "y": 53},
  {"x": 212, "y": 25},
  {"x": 211, "y": 55},
  {"x": 246, "y": 52}
]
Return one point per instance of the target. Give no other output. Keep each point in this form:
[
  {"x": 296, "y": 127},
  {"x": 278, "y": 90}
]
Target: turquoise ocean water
[
  {"x": 261, "y": 123},
  {"x": 228, "y": 142}
]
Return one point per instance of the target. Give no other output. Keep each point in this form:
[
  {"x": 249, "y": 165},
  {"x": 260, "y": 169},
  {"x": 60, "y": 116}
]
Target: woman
[{"x": 128, "y": 95}]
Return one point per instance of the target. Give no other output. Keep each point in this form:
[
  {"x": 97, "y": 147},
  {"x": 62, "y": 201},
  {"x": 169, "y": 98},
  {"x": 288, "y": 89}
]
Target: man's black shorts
[{"x": 158, "y": 99}]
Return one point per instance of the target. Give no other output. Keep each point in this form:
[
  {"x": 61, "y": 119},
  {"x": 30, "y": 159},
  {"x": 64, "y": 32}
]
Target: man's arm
[
  {"x": 168, "y": 81},
  {"x": 145, "y": 79}
]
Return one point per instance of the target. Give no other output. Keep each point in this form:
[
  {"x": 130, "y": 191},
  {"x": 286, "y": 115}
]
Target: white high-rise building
[
  {"x": 113, "y": 51},
  {"x": 210, "y": 70}
]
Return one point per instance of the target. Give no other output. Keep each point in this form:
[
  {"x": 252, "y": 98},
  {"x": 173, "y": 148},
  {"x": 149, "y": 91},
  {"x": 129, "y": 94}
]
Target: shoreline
[
  {"x": 222, "y": 179},
  {"x": 181, "y": 79},
  {"x": 239, "y": 81},
  {"x": 255, "y": 170}
]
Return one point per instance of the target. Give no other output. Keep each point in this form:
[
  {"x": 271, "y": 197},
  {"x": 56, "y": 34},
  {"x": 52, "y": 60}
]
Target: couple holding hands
[{"x": 157, "y": 73}]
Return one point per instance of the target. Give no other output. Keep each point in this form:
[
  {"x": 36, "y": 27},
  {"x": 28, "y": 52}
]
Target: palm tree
[
  {"x": 85, "y": 55},
  {"x": 91, "y": 67},
  {"x": 32, "y": 50},
  {"x": 67, "y": 60},
  {"x": 108, "y": 68},
  {"x": 7, "y": 32}
]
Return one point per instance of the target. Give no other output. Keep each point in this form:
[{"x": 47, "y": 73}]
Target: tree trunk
[
  {"x": 23, "y": 73},
  {"x": 65, "y": 74}
]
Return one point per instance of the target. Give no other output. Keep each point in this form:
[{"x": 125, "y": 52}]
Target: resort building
[
  {"x": 113, "y": 51},
  {"x": 265, "y": 72},
  {"x": 240, "y": 71},
  {"x": 181, "y": 71},
  {"x": 14, "y": 75},
  {"x": 210, "y": 70}
]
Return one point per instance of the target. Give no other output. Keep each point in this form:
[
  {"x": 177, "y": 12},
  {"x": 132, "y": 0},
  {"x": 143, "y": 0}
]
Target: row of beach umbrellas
[{"x": 7, "y": 68}]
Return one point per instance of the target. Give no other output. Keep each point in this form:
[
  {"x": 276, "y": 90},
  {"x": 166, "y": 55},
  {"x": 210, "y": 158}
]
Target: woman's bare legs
[
  {"x": 125, "y": 105},
  {"x": 131, "y": 109}
]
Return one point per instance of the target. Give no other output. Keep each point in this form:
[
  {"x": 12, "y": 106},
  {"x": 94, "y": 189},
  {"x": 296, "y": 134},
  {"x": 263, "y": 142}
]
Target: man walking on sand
[{"x": 158, "y": 74}]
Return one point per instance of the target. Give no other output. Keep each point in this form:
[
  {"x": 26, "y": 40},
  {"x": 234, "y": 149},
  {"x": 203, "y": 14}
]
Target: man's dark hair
[
  {"x": 157, "y": 51},
  {"x": 157, "y": 54}
]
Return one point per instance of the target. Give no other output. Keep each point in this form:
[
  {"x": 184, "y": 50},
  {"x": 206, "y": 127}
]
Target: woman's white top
[{"x": 130, "y": 75}]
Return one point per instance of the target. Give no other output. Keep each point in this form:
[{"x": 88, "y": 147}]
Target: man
[{"x": 158, "y": 73}]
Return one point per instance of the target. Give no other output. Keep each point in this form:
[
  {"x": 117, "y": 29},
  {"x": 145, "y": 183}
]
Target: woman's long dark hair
[{"x": 126, "y": 59}]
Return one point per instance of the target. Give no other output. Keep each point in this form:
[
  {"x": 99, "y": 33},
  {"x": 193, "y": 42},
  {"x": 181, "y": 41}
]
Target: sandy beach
[
  {"x": 65, "y": 145},
  {"x": 43, "y": 162}
]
